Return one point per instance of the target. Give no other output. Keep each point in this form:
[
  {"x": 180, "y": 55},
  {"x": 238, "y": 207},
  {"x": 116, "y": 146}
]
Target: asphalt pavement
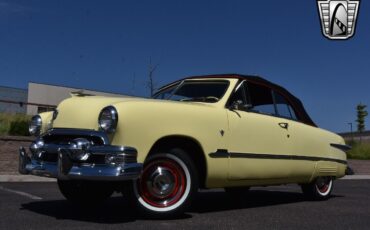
[{"x": 39, "y": 205}]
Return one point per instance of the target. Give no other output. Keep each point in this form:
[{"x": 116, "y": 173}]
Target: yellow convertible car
[{"x": 221, "y": 131}]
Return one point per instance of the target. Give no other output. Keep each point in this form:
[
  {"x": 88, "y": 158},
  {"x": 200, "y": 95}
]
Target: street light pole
[{"x": 350, "y": 124}]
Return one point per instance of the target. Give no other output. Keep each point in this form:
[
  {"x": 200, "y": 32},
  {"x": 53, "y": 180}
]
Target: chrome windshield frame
[{"x": 177, "y": 86}]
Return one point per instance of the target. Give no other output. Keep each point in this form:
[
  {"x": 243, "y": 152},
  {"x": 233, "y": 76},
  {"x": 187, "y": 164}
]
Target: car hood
[{"x": 82, "y": 112}]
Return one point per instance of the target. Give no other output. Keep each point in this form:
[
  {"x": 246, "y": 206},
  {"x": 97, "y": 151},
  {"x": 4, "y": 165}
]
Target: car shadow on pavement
[
  {"x": 112, "y": 211},
  {"x": 115, "y": 210},
  {"x": 222, "y": 201},
  {"x": 118, "y": 210}
]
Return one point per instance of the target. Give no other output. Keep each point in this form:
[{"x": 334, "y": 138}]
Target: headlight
[
  {"x": 35, "y": 125},
  {"x": 108, "y": 119}
]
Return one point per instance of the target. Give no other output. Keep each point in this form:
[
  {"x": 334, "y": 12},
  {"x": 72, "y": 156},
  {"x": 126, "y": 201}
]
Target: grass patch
[
  {"x": 14, "y": 124},
  {"x": 360, "y": 151}
]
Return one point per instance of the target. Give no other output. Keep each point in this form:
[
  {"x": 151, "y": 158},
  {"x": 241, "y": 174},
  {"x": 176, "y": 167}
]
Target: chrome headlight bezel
[
  {"x": 108, "y": 119},
  {"x": 35, "y": 125}
]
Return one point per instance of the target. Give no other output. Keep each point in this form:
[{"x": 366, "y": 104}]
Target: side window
[
  {"x": 260, "y": 99},
  {"x": 283, "y": 107}
]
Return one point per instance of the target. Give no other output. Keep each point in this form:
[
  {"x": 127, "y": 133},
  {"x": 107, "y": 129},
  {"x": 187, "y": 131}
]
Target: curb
[
  {"x": 25, "y": 178},
  {"x": 17, "y": 138},
  {"x": 356, "y": 177},
  {"x": 30, "y": 178}
]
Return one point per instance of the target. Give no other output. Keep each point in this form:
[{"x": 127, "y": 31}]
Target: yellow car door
[
  {"x": 258, "y": 147},
  {"x": 259, "y": 143}
]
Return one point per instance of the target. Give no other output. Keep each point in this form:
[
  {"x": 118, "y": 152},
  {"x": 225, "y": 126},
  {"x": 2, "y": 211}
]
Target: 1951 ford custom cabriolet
[{"x": 221, "y": 131}]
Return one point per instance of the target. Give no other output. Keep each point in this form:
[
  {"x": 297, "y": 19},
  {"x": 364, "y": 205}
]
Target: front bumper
[{"x": 120, "y": 163}]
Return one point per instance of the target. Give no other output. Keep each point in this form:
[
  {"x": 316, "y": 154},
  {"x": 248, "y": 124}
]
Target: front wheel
[
  {"x": 167, "y": 185},
  {"x": 319, "y": 189}
]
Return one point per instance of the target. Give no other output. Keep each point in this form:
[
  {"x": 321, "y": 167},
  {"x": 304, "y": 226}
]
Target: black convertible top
[{"x": 294, "y": 101}]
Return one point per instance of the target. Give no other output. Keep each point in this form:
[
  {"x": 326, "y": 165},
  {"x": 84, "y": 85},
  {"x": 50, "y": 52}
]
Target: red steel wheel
[
  {"x": 163, "y": 183},
  {"x": 323, "y": 185},
  {"x": 319, "y": 189},
  {"x": 167, "y": 184}
]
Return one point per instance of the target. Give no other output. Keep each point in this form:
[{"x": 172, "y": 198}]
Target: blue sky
[{"x": 107, "y": 45}]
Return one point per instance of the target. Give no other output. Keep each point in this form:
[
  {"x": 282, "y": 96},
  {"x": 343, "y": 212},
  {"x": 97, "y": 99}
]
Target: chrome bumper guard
[{"x": 120, "y": 162}]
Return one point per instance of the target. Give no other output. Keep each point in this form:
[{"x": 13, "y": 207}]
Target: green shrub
[
  {"x": 3, "y": 126},
  {"x": 359, "y": 151},
  {"x": 19, "y": 128},
  {"x": 14, "y": 124}
]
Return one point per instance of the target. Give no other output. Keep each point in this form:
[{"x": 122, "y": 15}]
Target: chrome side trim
[{"x": 222, "y": 154}]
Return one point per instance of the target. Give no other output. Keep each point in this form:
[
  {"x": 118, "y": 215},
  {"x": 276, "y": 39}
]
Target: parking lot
[{"x": 34, "y": 205}]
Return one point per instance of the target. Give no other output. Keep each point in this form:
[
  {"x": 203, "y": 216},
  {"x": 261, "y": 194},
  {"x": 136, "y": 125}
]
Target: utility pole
[{"x": 351, "y": 129}]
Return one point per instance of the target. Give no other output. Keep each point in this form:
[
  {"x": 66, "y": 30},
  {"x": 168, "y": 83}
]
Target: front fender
[{"x": 141, "y": 125}]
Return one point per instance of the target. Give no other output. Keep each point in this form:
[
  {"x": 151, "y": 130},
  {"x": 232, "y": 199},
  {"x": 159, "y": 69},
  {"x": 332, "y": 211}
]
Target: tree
[
  {"x": 361, "y": 114},
  {"x": 151, "y": 82}
]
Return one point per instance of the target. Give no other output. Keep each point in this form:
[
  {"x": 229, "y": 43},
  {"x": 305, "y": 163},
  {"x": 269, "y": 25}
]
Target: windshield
[{"x": 203, "y": 91}]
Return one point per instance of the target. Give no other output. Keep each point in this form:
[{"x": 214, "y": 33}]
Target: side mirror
[
  {"x": 239, "y": 105},
  {"x": 247, "y": 106}
]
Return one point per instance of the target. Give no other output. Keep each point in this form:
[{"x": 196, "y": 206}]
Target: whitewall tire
[
  {"x": 319, "y": 189},
  {"x": 167, "y": 184}
]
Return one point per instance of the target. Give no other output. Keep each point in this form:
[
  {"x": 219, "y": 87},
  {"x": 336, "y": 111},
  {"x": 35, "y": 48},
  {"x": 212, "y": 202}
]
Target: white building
[
  {"x": 51, "y": 95},
  {"x": 40, "y": 97}
]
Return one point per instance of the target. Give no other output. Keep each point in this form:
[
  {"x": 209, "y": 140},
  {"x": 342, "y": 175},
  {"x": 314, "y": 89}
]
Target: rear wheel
[
  {"x": 319, "y": 189},
  {"x": 167, "y": 185},
  {"x": 85, "y": 192}
]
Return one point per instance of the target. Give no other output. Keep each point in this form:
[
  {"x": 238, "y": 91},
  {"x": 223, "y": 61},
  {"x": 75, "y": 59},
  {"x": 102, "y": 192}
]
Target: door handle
[{"x": 284, "y": 125}]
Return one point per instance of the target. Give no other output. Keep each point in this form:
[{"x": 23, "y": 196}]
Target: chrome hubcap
[
  {"x": 323, "y": 184},
  {"x": 161, "y": 182}
]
